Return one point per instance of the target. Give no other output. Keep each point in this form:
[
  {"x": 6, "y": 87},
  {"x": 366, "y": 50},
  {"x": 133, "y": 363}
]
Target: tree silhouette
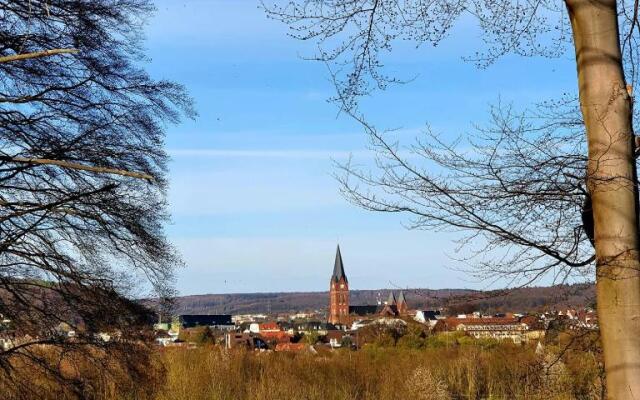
[{"x": 82, "y": 194}]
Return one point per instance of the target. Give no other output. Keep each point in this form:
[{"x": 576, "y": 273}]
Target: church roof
[
  {"x": 390, "y": 309},
  {"x": 338, "y": 268},
  {"x": 190, "y": 321},
  {"x": 392, "y": 299},
  {"x": 365, "y": 310},
  {"x": 401, "y": 298}
]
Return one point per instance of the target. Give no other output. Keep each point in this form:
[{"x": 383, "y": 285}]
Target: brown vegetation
[
  {"x": 454, "y": 372},
  {"x": 443, "y": 367},
  {"x": 83, "y": 182},
  {"x": 117, "y": 371}
]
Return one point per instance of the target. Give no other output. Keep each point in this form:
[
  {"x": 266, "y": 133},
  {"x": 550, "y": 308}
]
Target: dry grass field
[
  {"x": 441, "y": 369},
  {"x": 459, "y": 372}
]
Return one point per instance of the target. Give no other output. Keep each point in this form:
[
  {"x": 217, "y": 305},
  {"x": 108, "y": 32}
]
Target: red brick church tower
[{"x": 338, "y": 293}]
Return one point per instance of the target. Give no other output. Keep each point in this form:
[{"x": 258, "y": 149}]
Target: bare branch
[
  {"x": 37, "y": 54},
  {"x": 77, "y": 166}
]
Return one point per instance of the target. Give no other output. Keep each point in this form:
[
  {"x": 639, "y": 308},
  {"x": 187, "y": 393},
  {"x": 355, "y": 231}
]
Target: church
[{"x": 342, "y": 313}]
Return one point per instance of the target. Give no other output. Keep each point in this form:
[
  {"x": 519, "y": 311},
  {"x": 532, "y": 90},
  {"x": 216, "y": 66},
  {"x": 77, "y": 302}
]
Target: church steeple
[
  {"x": 338, "y": 293},
  {"x": 401, "y": 298},
  {"x": 392, "y": 299},
  {"x": 338, "y": 268},
  {"x": 402, "y": 303}
]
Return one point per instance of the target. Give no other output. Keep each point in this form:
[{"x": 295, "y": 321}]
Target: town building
[
  {"x": 512, "y": 328},
  {"x": 268, "y": 327},
  {"x": 242, "y": 318},
  {"x": 213, "y": 321},
  {"x": 293, "y": 347},
  {"x": 428, "y": 317},
  {"x": 334, "y": 338},
  {"x": 342, "y": 313},
  {"x": 244, "y": 340},
  {"x": 309, "y": 327},
  {"x": 365, "y": 311}
]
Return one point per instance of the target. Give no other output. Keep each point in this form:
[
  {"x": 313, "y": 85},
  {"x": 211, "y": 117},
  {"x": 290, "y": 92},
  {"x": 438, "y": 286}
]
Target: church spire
[
  {"x": 401, "y": 298},
  {"x": 338, "y": 268},
  {"x": 402, "y": 304},
  {"x": 392, "y": 299}
]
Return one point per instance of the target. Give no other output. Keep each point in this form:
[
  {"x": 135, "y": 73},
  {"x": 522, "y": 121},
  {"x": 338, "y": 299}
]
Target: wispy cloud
[
  {"x": 244, "y": 263},
  {"x": 251, "y": 189},
  {"x": 291, "y": 154}
]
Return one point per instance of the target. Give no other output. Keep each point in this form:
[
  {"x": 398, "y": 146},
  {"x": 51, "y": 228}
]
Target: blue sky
[{"x": 254, "y": 205}]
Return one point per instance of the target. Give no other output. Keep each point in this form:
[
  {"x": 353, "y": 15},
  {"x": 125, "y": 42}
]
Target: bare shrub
[{"x": 423, "y": 385}]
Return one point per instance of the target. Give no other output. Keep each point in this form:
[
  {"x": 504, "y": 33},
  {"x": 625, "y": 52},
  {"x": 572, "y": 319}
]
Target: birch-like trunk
[{"x": 606, "y": 108}]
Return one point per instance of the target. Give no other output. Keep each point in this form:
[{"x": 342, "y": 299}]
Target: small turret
[
  {"x": 392, "y": 299},
  {"x": 402, "y": 303}
]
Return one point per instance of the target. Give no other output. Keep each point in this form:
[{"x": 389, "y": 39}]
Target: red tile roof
[
  {"x": 291, "y": 346},
  {"x": 279, "y": 336},
  {"x": 269, "y": 326}
]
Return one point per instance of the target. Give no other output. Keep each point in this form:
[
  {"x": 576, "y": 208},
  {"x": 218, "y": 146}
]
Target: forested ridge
[{"x": 527, "y": 299}]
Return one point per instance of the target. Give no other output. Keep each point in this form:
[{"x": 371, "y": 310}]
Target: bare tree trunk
[{"x": 606, "y": 108}]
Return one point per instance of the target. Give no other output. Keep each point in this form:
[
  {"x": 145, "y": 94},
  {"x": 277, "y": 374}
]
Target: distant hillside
[{"x": 457, "y": 300}]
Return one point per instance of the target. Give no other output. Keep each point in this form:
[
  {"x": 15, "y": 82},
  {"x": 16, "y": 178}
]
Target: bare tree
[
  {"x": 82, "y": 195},
  {"x": 514, "y": 188},
  {"x": 544, "y": 235}
]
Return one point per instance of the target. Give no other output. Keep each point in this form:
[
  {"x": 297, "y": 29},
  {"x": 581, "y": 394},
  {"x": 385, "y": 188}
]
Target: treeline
[{"x": 521, "y": 299}]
